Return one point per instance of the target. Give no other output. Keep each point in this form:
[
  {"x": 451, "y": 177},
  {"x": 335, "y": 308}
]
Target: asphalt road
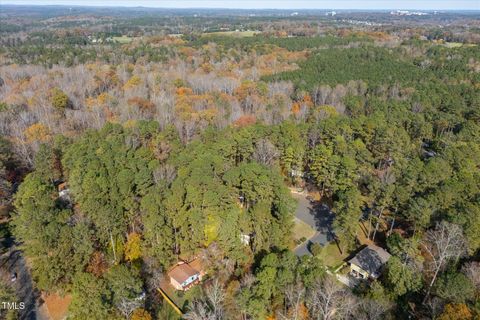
[
  {"x": 319, "y": 217},
  {"x": 11, "y": 262}
]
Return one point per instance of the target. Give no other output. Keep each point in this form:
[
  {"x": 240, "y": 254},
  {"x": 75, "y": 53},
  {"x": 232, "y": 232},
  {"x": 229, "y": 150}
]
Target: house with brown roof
[
  {"x": 368, "y": 262},
  {"x": 185, "y": 275}
]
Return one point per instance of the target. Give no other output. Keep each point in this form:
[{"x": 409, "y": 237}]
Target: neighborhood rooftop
[
  {"x": 182, "y": 272},
  {"x": 370, "y": 259}
]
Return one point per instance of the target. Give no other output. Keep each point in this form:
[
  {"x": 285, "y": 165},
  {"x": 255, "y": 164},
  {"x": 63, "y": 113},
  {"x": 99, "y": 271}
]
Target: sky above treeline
[{"x": 270, "y": 4}]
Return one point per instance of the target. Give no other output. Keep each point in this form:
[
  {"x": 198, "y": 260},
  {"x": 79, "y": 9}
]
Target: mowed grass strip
[
  {"x": 240, "y": 34},
  {"x": 331, "y": 256},
  {"x": 122, "y": 39},
  {"x": 302, "y": 229}
]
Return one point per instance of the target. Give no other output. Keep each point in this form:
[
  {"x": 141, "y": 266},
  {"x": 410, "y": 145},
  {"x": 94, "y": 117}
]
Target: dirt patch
[{"x": 56, "y": 305}]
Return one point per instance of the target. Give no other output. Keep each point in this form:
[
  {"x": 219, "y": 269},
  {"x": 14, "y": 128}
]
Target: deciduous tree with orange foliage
[
  {"x": 37, "y": 132},
  {"x": 456, "y": 311}
]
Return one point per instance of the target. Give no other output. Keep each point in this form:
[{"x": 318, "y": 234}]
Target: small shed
[
  {"x": 64, "y": 192},
  {"x": 369, "y": 262},
  {"x": 245, "y": 239},
  {"x": 185, "y": 275}
]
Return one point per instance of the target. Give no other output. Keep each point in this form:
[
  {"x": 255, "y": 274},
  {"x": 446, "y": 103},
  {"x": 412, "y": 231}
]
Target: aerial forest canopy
[
  {"x": 130, "y": 144},
  {"x": 141, "y": 180}
]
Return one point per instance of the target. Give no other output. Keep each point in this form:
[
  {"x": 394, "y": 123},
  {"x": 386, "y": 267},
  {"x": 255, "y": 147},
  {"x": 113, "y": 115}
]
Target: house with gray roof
[{"x": 368, "y": 262}]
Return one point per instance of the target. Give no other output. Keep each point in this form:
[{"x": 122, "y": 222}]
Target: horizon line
[{"x": 226, "y": 8}]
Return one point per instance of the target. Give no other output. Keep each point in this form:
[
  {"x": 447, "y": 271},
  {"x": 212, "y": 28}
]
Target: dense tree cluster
[
  {"x": 139, "y": 194},
  {"x": 8, "y": 295},
  {"x": 7, "y": 165}
]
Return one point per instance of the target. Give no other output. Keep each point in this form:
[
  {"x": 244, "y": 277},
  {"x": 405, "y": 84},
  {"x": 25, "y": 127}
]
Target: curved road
[
  {"x": 319, "y": 217},
  {"x": 12, "y": 261}
]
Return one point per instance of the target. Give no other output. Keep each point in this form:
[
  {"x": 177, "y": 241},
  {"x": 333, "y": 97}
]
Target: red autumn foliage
[
  {"x": 244, "y": 121},
  {"x": 98, "y": 264},
  {"x": 141, "y": 103}
]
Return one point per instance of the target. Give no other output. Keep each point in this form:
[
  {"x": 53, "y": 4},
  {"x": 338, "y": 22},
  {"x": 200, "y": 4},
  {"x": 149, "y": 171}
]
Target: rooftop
[
  {"x": 182, "y": 272},
  {"x": 371, "y": 259}
]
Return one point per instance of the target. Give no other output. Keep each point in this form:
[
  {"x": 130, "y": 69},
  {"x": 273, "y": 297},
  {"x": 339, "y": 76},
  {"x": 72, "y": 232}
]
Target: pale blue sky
[{"x": 276, "y": 4}]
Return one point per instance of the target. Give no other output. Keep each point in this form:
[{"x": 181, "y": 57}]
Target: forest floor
[{"x": 55, "y": 307}]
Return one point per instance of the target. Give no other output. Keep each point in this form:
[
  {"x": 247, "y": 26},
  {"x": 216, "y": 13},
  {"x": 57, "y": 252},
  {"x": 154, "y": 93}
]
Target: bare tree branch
[{"x": 443, "y": 244}]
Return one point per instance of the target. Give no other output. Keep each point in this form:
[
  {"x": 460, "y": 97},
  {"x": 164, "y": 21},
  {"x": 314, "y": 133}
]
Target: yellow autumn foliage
[
  {"x": 37, "y": 133},
  {"x": 132, "y": 82},
  {"x": 211, "y": 229},
  {"x": 141, "y": 314},
  {"x": 133, "y": 247}
]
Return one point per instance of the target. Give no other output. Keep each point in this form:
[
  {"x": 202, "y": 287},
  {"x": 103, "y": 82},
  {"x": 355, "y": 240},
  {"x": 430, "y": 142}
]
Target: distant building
[
  {"x": 185, "y": 275},
  {"x": 408, "y": 13},
  {"x": 64, "y": 192},
  {"x": 369, "y": 262},
  {"x": 296, "y": 173},
  {"x": 245, "y": 239}
]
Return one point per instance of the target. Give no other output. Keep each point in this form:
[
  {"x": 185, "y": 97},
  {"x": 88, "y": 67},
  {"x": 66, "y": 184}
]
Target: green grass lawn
[
  {"x": 180, "y": 298},
  {"x": 302, "y": 229},
  {"x": 184, "y": 299},
  {"x": 122, "y": 39},
  {"x": 241, "y": 34},
  {"x": 330, "y": 255},
  {"x": 458, "y": 44},
  {"x": 453, "y": 44},
  {"x": 343, "y": 269}
]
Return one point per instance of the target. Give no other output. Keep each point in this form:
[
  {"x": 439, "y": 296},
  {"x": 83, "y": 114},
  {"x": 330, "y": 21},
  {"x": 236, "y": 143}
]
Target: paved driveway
[{"x": 319, "y": 217}]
